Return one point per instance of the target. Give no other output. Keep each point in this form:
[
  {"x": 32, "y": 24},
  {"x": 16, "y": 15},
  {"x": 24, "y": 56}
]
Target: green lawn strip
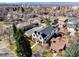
[
  {"x": 32, "y": 43},
  {"x": 47, "y": 54},
  {"x": 12, "y": 47},
  {"x": 35, "y": 49}
]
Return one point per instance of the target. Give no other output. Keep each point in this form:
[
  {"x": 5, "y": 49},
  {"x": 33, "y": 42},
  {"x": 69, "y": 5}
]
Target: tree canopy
[
  {"x": 72, "y": 50},
  {"x": 22, "y": 44}
]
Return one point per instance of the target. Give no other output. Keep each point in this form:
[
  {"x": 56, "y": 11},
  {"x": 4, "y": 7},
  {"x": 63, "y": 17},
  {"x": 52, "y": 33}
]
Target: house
[
  {"x": 58, "y": 44},
  {"x": 78, "y": 26},
  {"x": 71, "y": 25},
  {"x": 34, "y": 20},
  {"x": 29, "y": 33},
  {"x": 44, "y": 35},
  {"x": 25, "y": 26},
  {"x": 74, "y": 7}
]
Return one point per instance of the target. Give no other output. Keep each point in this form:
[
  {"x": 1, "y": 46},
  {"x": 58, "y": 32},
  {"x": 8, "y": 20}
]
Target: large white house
[
  {"x": 31, "y": 31},
  {"x": 44, "y": 35}
]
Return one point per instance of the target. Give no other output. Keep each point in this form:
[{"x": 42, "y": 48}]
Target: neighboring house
[
  {"x": 71, "y": 25},
  {"x": 58, "y": 44},
  {"x": 21, "y": 25},
  {"x": 75, "y": 8},
  {"x": 44, "y": 35},
  {"x": 25, "y": 26},
  {"x": 78, "y": 26},
  {"x": 34, "y": 20}
]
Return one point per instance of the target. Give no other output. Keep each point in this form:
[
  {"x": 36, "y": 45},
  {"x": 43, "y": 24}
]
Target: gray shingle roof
[{"x": 48, "y": 32}]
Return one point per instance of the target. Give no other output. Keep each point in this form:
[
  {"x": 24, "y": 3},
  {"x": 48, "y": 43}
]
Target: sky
[{"x": 54, "y": 3}]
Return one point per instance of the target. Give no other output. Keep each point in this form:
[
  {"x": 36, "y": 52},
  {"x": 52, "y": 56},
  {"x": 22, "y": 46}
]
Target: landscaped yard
[
  {"x": 12, "y": 48},
  {"x": 35, "y": 48},
  {"x": 47, "y": 54},
  {"x": 32, "y": 43}
]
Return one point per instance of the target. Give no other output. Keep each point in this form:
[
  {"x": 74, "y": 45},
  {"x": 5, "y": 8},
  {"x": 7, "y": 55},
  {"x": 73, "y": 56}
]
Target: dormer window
[
  {"x": 54, "y": 41},
  {"x": 40, "y": 37},
  {"x": 43, "y": 35},
  {"x": 35, "y": 32},
  {"x": 39, "y": 33}
]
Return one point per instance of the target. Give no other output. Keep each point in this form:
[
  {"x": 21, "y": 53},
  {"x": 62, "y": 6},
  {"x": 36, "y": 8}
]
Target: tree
[
  {"x": 72, "y": 50},
  {"x": 14, "y": 28},
  {"x": 23, "y": 45},
  {"x": 48, "y": 21}
]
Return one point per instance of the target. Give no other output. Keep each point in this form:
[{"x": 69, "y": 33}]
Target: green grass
[
  {"x": 32, "y": 43},
  {"x": 47, "y": 54},
  {"x": 12, "y": 47},
  {"x": 36, "y": 48}
]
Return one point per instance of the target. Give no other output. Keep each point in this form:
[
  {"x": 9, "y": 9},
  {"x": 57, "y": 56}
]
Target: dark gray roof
[
  {"x": 47, "y": 30},
  {"x": 47, "y": 33},
  {"x": 72, "y": 20}
]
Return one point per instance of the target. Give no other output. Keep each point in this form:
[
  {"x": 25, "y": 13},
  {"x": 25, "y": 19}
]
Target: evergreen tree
[
  {"x": 22, "y": 44},
  {"x": 14, "y": 30},
  {"x": 72, "y": 50},
  {"x": 48, "y": 22}
]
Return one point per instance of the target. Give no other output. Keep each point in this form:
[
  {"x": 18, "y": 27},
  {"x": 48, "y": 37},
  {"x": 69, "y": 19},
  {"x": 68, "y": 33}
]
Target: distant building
[
  {"x": 71, "y": 25},
  {"x": 44, "y": 35},
  {"x": 78, "y": 25},
  {"x": 25, "y": 26},
  {"x": 75, "y": 8}
]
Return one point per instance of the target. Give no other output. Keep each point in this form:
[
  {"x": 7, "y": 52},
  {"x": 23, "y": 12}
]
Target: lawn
[
  {"x": 12, "y": 48},
  {"x": 32, "y": 43},
  {"x": 35, "y": 48},
  {"x": 47, "y": 54}
]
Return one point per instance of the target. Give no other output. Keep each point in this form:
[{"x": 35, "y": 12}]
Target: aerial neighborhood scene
[{"x": 39, "y": 30}]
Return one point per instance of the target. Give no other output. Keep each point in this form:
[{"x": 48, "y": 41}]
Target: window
[
  {"x": 54, "y": 41},
  {"x": 33, "y": 35},
  {"x": 35, "y": 32},
  {"x": 43, "y": 35},
  {"x": 39, "y": 33},
  {"x": 40, "y": 37}
]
